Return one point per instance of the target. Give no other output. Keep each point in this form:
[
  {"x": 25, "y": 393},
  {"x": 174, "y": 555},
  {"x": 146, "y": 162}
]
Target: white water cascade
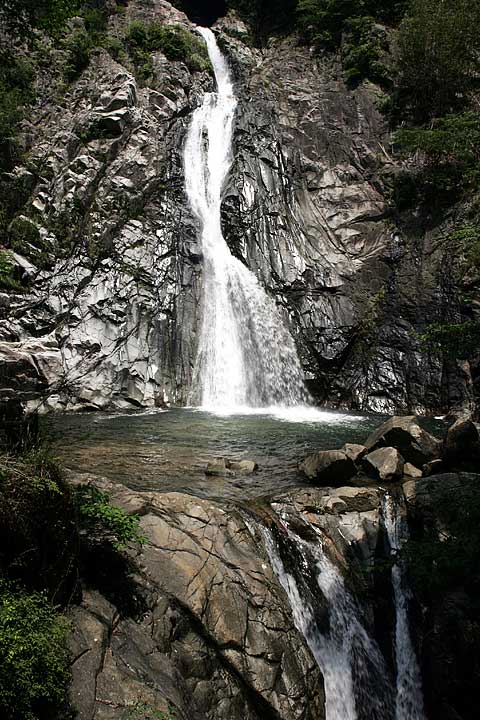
[
  {"x": 409, "y": 699},
  {"x": 357, "y": 686},
  {"x": 246, "y": 356}
]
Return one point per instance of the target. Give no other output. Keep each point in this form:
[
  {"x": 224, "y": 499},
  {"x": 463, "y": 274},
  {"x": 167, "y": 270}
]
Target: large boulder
[
  {"x": 329, "y": 467},
  {"x": 461, "y": 447},
  {"x": 414, "y": 443},
  {"x": 385, "y": 464}
]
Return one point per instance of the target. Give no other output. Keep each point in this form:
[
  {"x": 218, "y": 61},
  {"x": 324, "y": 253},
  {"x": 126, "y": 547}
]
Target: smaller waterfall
[
  {"x": 246, "y": 356},
  {"x": 357, "y": 686},
  {"x": 409, "y": 699}
]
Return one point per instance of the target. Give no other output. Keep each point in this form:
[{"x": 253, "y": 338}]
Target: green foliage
[
  {"x": 34, "y": 667},
  {"x": 363, "y": 47},
  {"x": 176, "y": 43},
  {"x": 38, "y": 535},
  {"x": 142, "y": 711},
  {"x": 16, "y": 91},
  {"x": 450, "y": 149},
  {"x": 7, "y": 278},
  {"x": 104, "y": 521},
  {"x": 437, "y": 57},
  {"x": 79, "y": 47},
  {"x": 20, "y": 17},
  {"x": 468, "y": 238},
  {"x": 456, "y": 340}
]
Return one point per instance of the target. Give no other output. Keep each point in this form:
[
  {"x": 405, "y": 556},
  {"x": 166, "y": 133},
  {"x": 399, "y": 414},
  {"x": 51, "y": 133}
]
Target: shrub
[
  {"x": 176, "y": 43},
  {"x": 34, "y": 668},
  {"x": 20, "y": 17},
  {"x": 362, "y": 51},
  {"x": 437, "y": 57},
  {"x": 16, "y": 91},
  {"x": 450, "y": 154},
  {"x": 7, "y": 278},
  {"x": 38, "y": 534},
  {"x": 103, "y": 522},
  {"x": 455, "y": 340},
  {"x": 79, "y": 48}
]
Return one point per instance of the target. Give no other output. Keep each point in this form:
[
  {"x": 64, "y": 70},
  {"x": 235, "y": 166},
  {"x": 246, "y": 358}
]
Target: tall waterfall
[
  {"x": 246, "y": 356},
  {"x": 357, "y": 686},
  {"x": 409, "y": 700}
]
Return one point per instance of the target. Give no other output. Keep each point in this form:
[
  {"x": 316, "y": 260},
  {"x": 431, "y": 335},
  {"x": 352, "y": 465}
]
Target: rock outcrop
[{"x": 216, "y": 638}]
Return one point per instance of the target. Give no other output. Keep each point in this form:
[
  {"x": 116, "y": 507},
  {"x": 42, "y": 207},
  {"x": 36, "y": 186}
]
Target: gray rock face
[
  {"x": 404, "y": 433},
  {"x": 385, "y": 464},
  {"x": 217, "y": 640},
  {"x": 305, "y": 208},
  {"x": 329, "y": 467}
]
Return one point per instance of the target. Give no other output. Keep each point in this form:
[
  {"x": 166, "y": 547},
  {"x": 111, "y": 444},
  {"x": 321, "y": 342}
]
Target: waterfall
[
  {"x": 246, "y": 356},
  {"x": 409, "y": 700},
  {"x": 357, "y": 686}
]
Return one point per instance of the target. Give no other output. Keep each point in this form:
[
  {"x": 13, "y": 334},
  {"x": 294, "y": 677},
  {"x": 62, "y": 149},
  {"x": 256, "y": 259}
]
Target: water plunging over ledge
[{"x": 246, "y": 356}]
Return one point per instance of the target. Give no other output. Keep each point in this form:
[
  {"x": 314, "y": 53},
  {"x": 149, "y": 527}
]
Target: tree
[
  {"x": 20, "y": 17},
  {"x": 437, "y": 57}
]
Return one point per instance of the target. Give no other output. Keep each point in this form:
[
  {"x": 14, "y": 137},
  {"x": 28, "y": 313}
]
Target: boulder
[
  {"x": 411, "y": 471},
  {"x": 461, "y": 447},
  {"x": 385, "y": 464},
  {"x": 433, "y": 467},
  {"x": 242, "y": 467},
  {"x": 218, "y": 468},
  {"x": 414, "y": 443},
  {"x": 354, "y": 452},
  {"x": 329, "y": 467}
]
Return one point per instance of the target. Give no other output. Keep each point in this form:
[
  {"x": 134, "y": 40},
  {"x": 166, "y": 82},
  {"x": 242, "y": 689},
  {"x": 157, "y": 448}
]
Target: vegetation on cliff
[{"x": 47, "y": 531}]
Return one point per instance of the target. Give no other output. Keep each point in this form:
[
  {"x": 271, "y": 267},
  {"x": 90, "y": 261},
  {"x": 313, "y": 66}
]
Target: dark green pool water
[{"x": 170, "y": 450}]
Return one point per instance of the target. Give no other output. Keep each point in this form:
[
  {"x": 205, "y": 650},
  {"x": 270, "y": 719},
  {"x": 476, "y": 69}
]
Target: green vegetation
[
  {"x": 456, "y": 340},
  {"x": 141, "y": 711},
  {"x": 175, "y": 42},
  {"x": 16, "y": 92},
  {"x": 47, "y": 530},
  {"x": 34, "y": 663},
  {"x": 437, "y": 58},
  {"x": 449, "y": 155},
  {"x": 105, "y": 522},
  {"x": 7, "y": 279},
  {"x": 21, "y": 17}
]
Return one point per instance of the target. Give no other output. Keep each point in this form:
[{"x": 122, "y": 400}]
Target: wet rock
[
  {"x": 405, "y": 434},
  {"x": 354, "y": 452},
  {"x": 218, "y": 468},
  {"x": 328, "y": 467},
  {"x": 242, "y": 467},
  {"x": 411, "y": 471},
  {"x": 216, "y": 639},
  {"x": 461, "y": 447},
  {"x": 385, "y": 464},
  {"x": 433, "y": 467}
]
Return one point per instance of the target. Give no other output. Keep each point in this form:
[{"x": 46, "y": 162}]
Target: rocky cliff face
[{"x": 110, "y": 247}]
